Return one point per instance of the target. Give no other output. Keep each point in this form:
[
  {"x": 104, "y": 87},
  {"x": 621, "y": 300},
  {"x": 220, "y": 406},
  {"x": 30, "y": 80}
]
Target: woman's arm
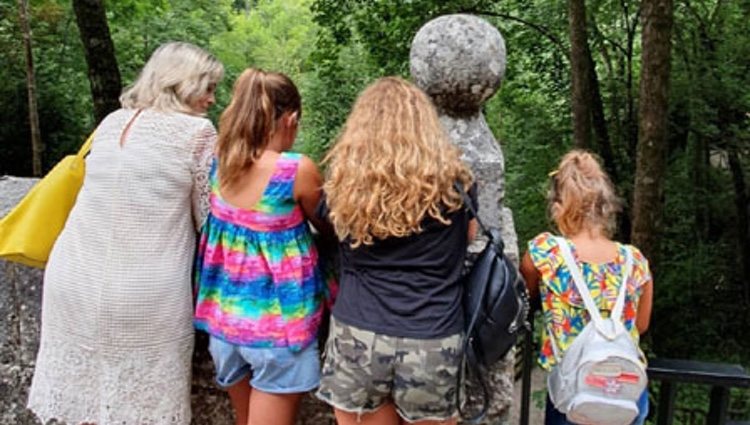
[
  {"x": 203, "y": 149},
  {"x": 530, "y": 275},
  {"x": 643, "y": 317}
]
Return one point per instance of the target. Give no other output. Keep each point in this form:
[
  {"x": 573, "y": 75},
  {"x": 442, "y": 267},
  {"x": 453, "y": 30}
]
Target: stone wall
[{"x": 20, "y": 303}]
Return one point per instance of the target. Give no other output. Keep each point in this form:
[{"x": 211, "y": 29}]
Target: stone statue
[{"x": 459, "y": 60}]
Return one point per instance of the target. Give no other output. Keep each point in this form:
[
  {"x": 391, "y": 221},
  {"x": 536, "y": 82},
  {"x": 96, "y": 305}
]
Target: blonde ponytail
[{"x": 582, "y": 196}]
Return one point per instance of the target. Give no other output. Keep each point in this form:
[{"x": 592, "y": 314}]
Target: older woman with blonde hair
[
  {"x": 117, "y": 333},
  {"x": 393, "y": 351}
]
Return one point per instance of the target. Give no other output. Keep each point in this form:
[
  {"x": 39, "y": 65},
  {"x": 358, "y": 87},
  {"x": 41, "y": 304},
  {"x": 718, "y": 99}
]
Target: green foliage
[
  {"x": 274, "y": 35},
  {"x": 695, "y": 294},
  {"x": 386, "y": 27},
  {"x": 328, "y": 97},
  {"x": 699, "y": 281},
  {"x": 140, "y": 26}
]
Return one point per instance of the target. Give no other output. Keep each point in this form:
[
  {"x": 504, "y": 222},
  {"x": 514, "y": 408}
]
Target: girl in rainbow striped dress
[{"x": 260, "y": 291}]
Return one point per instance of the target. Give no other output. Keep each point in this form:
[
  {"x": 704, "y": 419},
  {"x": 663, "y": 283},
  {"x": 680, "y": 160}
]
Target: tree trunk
[
  {"x": 579, "y": 73},
  {"x": 652, "y": 129},
  {"x": 599, "y": 121},
  {"x": 104, "y": 76},
  {"x": 631, "y": 126},
  {"x": 743, "y": 207},
  {"x": 37, "y": 147}
]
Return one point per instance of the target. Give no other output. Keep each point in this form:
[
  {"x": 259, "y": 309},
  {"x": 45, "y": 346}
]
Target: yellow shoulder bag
[{"x": 29, "y": 231}]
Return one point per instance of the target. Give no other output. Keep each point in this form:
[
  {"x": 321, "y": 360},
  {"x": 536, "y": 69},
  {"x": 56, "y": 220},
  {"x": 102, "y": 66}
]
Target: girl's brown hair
[
  {"x": 249, "y": 122},
  {"x": 582, "y": 196},
  {"x": 392, "y": 166}
]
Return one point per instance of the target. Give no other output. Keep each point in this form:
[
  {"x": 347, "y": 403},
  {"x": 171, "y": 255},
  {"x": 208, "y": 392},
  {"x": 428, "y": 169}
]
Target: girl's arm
[
  {"x": 307, "y": 192},
  {"x": 643, "y": 317},
  {"x": 530, "y": 275}
]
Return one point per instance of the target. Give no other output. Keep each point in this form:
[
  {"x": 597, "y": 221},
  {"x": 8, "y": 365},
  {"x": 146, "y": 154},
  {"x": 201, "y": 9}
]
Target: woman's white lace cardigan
[{"x": 117, "y": 333}]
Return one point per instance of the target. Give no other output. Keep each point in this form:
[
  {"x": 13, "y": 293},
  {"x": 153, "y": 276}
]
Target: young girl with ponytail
[
  {"x": 260, "y": 291},
  {"x": 583, "y": 205}
]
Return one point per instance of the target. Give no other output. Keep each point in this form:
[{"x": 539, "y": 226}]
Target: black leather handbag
[{"x": 495, "y": 305}]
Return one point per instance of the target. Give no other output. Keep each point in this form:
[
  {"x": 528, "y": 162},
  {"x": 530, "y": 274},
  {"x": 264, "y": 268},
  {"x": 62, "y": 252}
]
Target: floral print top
[{"x": 564, "y": 313}]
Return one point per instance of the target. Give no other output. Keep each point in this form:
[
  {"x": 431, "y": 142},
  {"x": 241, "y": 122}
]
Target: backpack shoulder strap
[
  {"x": 580, "y": 283},
  {"x": 626, "y": 270}
]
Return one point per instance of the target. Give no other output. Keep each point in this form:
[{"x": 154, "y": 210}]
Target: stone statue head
[{"x": 459, "y": 60}]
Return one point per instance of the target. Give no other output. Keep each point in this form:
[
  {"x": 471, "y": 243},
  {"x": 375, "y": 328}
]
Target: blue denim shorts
[{"x": 275, "y": 370}]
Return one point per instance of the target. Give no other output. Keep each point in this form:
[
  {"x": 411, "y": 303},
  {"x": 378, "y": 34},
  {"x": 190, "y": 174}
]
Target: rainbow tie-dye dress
[{"x": 257, "y": 275}]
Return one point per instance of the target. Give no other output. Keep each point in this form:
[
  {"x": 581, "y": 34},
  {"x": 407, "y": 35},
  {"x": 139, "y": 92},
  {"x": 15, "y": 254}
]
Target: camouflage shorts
[{"x": 362, "y": 370}]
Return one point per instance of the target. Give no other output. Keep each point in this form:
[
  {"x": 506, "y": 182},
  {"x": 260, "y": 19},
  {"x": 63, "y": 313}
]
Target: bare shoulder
[
  {"x": 308, "y": 181},
  {"x": 307, "y": 166}
]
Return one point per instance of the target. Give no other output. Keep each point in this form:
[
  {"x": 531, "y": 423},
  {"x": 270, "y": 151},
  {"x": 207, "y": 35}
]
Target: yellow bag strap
[{"x": 86, "y": 147}]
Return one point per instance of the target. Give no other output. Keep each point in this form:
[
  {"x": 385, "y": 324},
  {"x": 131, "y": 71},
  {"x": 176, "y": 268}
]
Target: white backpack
[{"x": 600, "y": 378}]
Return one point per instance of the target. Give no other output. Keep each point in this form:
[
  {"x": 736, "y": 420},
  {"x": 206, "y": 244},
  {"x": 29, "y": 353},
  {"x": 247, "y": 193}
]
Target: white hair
[{"x": 176, "y": 74}]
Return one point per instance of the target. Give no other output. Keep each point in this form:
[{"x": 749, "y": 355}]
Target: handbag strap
[
  {"x": 86, "y": 147},
  {"x": 473, "y": 363},
  {"x": 583, "y": 289},
  {"x": 479, "y": 375}
]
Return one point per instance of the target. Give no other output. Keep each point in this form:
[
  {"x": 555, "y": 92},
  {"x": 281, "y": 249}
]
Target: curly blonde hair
[
  {"x": 581, "y": 195},
  {"x": 392, "y": 166},
  {"x": 175, "y": 75}
]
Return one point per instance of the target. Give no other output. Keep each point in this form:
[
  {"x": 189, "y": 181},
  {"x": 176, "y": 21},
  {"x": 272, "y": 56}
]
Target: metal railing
[{"x": 721, "y": 377}]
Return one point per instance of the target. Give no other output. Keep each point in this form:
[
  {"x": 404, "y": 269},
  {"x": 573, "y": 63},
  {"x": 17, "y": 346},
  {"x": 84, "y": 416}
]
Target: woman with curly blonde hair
[
  {"x": 583, "y": 205},
  {"x": 392, "y": 354}
]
